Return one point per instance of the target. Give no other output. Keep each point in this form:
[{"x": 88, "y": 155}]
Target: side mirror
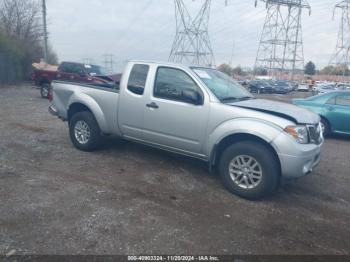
[{"x": 192, "y": 97}]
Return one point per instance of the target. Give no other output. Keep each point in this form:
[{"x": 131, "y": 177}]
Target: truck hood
[{"x": 284, "y": 110}]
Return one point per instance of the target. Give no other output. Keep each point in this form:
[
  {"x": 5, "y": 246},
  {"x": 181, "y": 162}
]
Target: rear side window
[
  {"x": 66, "y": 67},
  {"x": 343, "y": 100},
  {"x": 331, "y": 101},
  {"x": 77, "y": 69},
  {"x": 137, "y": 79}
]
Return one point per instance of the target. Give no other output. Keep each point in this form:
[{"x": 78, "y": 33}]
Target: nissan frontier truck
[{"x": 198, "y": 112}]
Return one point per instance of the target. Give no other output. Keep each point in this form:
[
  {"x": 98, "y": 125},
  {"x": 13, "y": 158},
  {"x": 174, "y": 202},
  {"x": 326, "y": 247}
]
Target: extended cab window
[
  {"x": 173, "y": 83},
  {"x": 137, "y": 79}
]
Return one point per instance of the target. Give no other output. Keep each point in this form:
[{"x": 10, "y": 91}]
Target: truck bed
[{"x": 101, "y": 101}]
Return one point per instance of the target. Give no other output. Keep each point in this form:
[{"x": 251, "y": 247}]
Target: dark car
[
  {"x": 282, "y": 87},
  {"x": 72, "y": 72},
  {"x": 294, "y": 85},
  {"x": 244, "y": 83},
  {"x": 260, "y": 86}
]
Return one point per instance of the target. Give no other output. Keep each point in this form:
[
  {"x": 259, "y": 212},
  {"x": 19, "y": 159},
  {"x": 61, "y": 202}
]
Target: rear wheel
[
  {"x": 84, "y": 131},
  {"x": 249, "y": 170},
  {"x": 45, "y": 90}
]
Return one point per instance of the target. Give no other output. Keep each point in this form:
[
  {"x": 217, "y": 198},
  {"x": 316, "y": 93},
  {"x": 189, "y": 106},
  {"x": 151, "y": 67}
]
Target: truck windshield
[
  {"x": 93, "y": 70},
  {"x": 222, "y": 86}
]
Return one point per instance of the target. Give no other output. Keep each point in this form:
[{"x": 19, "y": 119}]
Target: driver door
[
  {"x": 338, "y": 113},
  {"x": 170, "y": 119}
]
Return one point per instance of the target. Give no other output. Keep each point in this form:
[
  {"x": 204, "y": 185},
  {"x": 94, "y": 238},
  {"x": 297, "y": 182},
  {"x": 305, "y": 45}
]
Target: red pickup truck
[{"x": 73, "y": 72}]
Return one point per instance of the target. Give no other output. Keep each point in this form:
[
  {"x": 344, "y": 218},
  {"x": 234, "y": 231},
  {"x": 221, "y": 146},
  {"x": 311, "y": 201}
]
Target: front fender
[
  {"x": 256, "y": 127},
  {"x": 94, "y": 108}
]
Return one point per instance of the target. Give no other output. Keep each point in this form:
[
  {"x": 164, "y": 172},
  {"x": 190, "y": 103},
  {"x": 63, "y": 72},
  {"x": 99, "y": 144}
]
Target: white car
[{"x": 303, "y": 88}]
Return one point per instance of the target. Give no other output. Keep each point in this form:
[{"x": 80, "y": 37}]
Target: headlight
[{"x": 299, "y": 133}]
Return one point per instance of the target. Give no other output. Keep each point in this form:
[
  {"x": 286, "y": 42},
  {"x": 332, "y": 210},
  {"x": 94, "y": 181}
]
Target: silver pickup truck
[{"x": 198, "y": 112}]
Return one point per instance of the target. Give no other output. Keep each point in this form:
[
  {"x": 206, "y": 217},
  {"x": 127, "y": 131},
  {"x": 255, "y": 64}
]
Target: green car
[{"x": 334, "y": 109}]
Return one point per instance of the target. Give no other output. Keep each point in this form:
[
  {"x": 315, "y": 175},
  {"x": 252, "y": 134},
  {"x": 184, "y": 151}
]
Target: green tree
[
  {"x": 310, "y": 68},
  {"x": 328, "y": 70},
  {"x": 21, "y": 35},
  {"x": 342, "y": 70},
  {"x": 337, "y": 70},
  {"x": 225, "y": 68},
  {"x": 238, "y": 71},
  {"x": 261, "y": 71}
]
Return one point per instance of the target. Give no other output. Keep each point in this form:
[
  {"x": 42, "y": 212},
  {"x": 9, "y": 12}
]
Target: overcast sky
[{"x": 144, "y": 29}]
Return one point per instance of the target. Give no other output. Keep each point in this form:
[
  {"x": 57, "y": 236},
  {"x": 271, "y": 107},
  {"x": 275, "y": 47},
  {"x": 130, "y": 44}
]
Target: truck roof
[
  {"x": 77, "y": 63},
  {"x": 167, "y": 63}
]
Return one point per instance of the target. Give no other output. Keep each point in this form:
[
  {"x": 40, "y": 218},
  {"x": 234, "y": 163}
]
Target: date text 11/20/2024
[{"x": 173, "y": 258}]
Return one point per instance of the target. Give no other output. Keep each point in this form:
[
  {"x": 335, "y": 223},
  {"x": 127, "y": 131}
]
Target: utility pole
[
  {"x": 109, "y": 63},
  {"x": 192, "y": 43},
  {"x": 340, "y": 56},
  {"x": 87, "y": 61},
  {"x": 281, "y": 45},
  {"x": 232, "y": 54},
  {"x": 45, "y": 31}
]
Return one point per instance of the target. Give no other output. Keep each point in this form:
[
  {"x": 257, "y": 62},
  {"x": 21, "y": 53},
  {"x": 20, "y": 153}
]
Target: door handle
[
  {"x": 330, "y": 108},
  {"x": 153, "y": 105}
]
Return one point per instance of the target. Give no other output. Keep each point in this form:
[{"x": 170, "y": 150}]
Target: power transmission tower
[
  {"x": 109, "y": 63},
  {"x": 87, "y": 61},
  {"x": 192, "y": 43},
  {"x": 232, "y": 54},
  {"x": 341, "y": 54},
  {"x": 45, "y": 31},
  {"x": 281, "y": 45}
]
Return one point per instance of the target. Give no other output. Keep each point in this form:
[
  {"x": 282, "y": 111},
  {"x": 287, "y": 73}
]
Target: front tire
[
  {"x": 249, "y": 170},
  {"x": 84, "y": 131},
  {"x": 326, "y": 129},
  {"x": 45, "y": 90}
]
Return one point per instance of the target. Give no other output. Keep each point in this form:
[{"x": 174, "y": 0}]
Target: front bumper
[
  {"x": 297, "y": 160},
  {"x": 53, "y": 111}
]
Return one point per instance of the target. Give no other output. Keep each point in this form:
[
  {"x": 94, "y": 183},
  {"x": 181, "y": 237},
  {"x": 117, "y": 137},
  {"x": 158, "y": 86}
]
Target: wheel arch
[
  {"x": 95, "y": 110},
  {"x": 229, "y": 140},
  {"x": 44, "y": 80},
  {"x": 328, "y": 122},
  {"x": 76, "y": 108}
]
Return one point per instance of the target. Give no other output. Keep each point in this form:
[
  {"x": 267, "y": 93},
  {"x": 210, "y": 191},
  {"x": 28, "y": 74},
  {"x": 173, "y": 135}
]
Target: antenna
[
  {"x": 281, "y": 45},
  {"x": 192, "y": 43}
]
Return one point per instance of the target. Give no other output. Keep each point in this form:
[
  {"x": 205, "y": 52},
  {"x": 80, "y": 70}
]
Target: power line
[
  {"x": 341, "y": 53},
  {"x": 109, "y": 63},
  {"x": 88, "y": 61},
  {"x": 192, "y": 43},
  {"x": 281, "y": 44}
]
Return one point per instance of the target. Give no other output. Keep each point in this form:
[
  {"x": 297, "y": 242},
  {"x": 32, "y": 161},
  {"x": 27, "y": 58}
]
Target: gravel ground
[{"x": 131, "y": 199}]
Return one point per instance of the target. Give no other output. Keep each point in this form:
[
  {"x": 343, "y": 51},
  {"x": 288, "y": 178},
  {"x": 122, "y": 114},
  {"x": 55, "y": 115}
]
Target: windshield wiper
[
  {"x": 229, "y": 98},
  {"x": 245, "y": 98},
  {"x": 237, "y": 98}
]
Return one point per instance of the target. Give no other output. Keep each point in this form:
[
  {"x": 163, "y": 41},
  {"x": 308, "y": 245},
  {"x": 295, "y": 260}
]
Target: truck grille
[{"x": 315, "y": 133}]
